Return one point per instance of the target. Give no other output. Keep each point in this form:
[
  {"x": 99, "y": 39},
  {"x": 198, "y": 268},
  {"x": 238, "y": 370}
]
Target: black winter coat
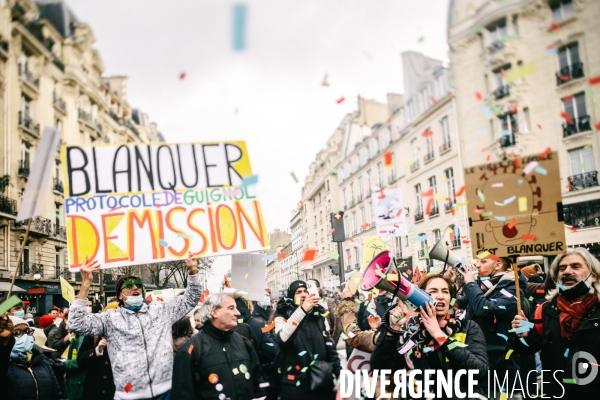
[
  {"x": 229, "y": 355},
  {"x": 557, "y": 353},
  {"x": 300, "y": 333},
  {"x": 386, "y": 356},
  {"x": 98, "y": 383},
  {"x": 32, "y": 381},
  {"x": 494, "y": 312}
]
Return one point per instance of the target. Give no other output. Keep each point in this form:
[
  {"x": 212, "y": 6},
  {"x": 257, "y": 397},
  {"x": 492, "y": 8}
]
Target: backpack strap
[{"x": 537, "y": 319}]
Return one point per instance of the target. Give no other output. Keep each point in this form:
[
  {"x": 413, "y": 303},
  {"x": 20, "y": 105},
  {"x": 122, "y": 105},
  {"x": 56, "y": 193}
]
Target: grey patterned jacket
[{"x": 139, "y": 344}]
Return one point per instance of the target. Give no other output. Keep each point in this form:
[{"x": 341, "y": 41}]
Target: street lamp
[{"x": 37, "y": 278}]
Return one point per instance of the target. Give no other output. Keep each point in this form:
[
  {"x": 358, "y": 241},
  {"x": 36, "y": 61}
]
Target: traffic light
[{"x": 337, "y": 224}]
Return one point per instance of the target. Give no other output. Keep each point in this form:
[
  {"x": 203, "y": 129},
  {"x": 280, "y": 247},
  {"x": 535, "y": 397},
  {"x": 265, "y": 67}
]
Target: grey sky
[{"x": 283, "y": 112}]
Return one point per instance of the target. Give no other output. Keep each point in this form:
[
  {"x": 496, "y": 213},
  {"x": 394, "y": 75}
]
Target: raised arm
[
  {"x": 79, "y": 321},
  {"x": 182, "y": 305}
]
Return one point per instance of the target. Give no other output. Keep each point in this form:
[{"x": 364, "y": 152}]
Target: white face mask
[
  {"x": 88, "y": 309},
  {"x": 134, "y": 301},
  {"x": 265, "y": 302}
]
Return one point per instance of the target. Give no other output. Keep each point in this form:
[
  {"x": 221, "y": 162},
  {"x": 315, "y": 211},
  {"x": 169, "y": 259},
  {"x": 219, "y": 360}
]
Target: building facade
[
  {"x": 50, "y": 75},
  {"x": 523, "y": 74}
]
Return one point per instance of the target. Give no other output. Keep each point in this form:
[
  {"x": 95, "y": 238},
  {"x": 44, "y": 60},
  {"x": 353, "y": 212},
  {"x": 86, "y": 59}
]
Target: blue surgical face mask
[
  {"x": 134, "y": 301},
  {"x": 23, "y": 344},
  {"x": 20, "y": 314}
]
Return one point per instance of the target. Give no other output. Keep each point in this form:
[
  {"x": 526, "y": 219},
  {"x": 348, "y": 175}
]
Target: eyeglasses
[
  {"x": 130, "y": 283},
  {"x": 18, "y": 333}
]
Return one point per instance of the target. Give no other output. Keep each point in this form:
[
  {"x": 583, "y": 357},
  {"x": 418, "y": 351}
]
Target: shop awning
[{"x": 5, "y": 287}]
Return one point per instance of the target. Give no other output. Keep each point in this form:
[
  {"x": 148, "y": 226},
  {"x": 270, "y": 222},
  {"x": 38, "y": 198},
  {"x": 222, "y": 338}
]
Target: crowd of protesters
[{"x": 285, "y": 347}]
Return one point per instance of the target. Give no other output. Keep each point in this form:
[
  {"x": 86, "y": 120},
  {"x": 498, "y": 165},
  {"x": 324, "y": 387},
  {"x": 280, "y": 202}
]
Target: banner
[
  {"x": 248, "y": 275},
  {"x": 515, "y": 207},
  {"x": 68, "y": 293},
  {"x": 389, "y": 214},
  {"x": 144, "y": 203}
]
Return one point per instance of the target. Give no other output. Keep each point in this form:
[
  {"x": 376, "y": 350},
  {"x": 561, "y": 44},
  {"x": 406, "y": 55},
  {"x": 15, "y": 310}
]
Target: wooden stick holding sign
[{"x": 33, "y": 197}]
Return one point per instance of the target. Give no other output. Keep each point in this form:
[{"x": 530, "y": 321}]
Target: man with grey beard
[{"x": 566, "y": 328}]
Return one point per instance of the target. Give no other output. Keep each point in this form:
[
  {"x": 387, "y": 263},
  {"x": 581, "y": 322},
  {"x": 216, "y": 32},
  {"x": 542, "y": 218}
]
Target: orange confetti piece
[
  {"x": 280, "y": 256},
  {"x": 460, "y": 191},
  {"x": 428, "y": 207},
  {"x": 485, "y": 149},
  {"x": 493, "y": 257},
  {"x": 571, "y": 228},
  {"x": 488, "y": 157},
  {"x": 517, "y": 163},
  {"x": 527, "y": 236},
  {"x": 441, "y": 339},
  {"x": 294, "y": 323},
  {"x": 539, "y": 126},
  {"x": 428, "y": 132},
  {"x": 466, "y": 241},
  {"x": 387, "y": 158},
  {"x": 434, "y": 101},
  {"x": 566, "y": 117},
  {"x": 182, "y": 76},
  {"x": 340, "y": 100},
  {"x": 539, "y": 291},
  {"x": 290, "y": 377},
  {"x": 309, "y": 255},
  {"x": 594, "y": 80},
  {"x": 364, "y": 226},
  {"x": 598, "y": 126},
  {"x": 331, "y": 231},
  {"x": 512, "y": 223},
  {"x": 544, "y": 155},
  {"x": 191, "y": 349},
  {"x": 478, "y": 96},
  {"x": 567, "y": 98},
  {"x": 381, "y": 195},
  {"x": 399, "y": 212},
  {"x": 553, "y": 26}
]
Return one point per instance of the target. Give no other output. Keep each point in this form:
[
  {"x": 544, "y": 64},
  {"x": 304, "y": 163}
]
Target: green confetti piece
[
  {"x": 224, "y": 349},
  {"x": 240, "y": 320},
  {"x": 294, "y": 177},
  {"x": 312, "y": 363},
  {"x": 570, "y": 381},
  {"x": 485, "y": 307},
  {"x": 289, "y": 368},
  {"x": 481, "y": 196},
  {"x": 343, "y": 336},
  {"x": 304, "y": 369},
  {"x": 456, "y": 344},
  {"x": 487, "y": 214},
  {"x": 297, "y": 383},
  {"x": 452, "y": 302},
  {"x": 333, "y": 255}
]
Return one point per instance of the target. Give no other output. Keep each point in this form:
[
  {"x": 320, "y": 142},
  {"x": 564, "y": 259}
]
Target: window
[
  {"x": 361, "y": 192},
  {"x": 356, "y": 257},
  {"x": 315, "y": 221},
  {"x": 328, "y": 206},
  {"x": 419, "y": 199},
  {"x": 455, "y": 236},
  {"x": 327, "y": 185},
  {"x": 369, "y": 182},
  {"x": 58, "y": 258},
  {"x": 445, "y": 131},
  {"x": 351, "y": 194},
  {"x": 569, "y": 64},
  {"x": 362, "y": 216},
  {"x": 369, "y": 210},
  {"x": 509, "y": 125},
  {"x": 26, "y": 109},
  {"x": 436, "y": 235},
  {"x": 561, "y": 9},
  {"x": 415, "y": 150},
  {"x": 526, "y": 120},
  {"x": 380, "y": 174},
  {"x": 497, "y": 31},
  {"x": 354, "y": 222},
  {"x": 393, "y": 168},
  {"x": 450, "y": 188},
  {"x": 582, "y": 160},
  {"x": 433, "y": 188},
  {"x": 25, "y": 154},
  {"x": 57, "y": 214},
  {"x": 57, "y": 171},
  {"x": 398, "y": 243},
  {"x": 345, "y": 199},
  {"x": 499, "y": 74},
  {"x": 579, "y": 121}
]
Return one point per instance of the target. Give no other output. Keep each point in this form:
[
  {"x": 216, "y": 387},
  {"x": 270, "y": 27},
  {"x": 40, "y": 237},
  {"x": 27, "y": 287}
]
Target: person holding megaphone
[{"x": 433, "y": 339}]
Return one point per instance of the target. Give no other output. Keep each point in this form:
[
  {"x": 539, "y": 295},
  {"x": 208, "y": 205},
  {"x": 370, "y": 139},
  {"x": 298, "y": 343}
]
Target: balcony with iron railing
[
  {"x": 421, "y": 253},
  {"x": 60, "y": 232},
  {"x": 495, "y": 46},
  {"x": 59, "y": 103},
  {"x": 569, "y": 73},
  {"x": 428, "y": 157},
  {"x": 446, "y": 146},
  {"x": 24, "y": 168},
  {"x": 58, "y": 186},
  {"x": 448, "y": 206},
  {"x": 27, "y": 77},
  {"x": 414, "y": 166},
  {"x": 30, "y": 269},
  {"x": 392, "y": 178},
  {"x": 352, "y": 203},
  {"x": 419, "y": 217},
  {"x": 435, "y": 210},
  {"x": 507, "y": 141},
  {"x": 26, "y": 123},
  {"x": 39, "y": 225},
  {"x": 64, "y": 272},
  {"x": 576, "y": 125},
  {"x": 129, "y": 125},
  {"x": 88, "y": 120},
  {"x": 8, "y": 205},
  {"x": 581, "y": 215},
  {"x": 583, "y": 181},
  {"x": 501, "y": 92}
]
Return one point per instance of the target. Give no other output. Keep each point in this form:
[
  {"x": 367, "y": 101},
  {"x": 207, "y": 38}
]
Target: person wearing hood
[
  {"x": 264, "y": 346},
  {"x": 28, "y": 374},
  {"x": 566, "y": 327},
  {"x": 305, "y": 345},
  {"x": 138, "y": 334},
  {"x": 490, "y": 301}
]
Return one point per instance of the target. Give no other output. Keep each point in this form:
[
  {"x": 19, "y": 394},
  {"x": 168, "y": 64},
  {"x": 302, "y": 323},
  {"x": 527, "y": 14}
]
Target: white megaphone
[{"x": 441, "y": 252}]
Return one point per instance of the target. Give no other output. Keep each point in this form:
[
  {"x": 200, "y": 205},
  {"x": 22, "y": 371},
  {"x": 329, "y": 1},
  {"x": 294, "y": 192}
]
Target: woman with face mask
[
  {"x": 29, "y": 375},
  {"x": 433, "y": 340}
]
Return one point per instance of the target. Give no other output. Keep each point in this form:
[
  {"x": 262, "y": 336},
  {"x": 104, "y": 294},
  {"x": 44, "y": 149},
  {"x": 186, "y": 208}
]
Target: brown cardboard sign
[{"x": 513, "y": 207}]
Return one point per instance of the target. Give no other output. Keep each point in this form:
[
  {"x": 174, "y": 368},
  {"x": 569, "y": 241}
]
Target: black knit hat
[{"x": 293, "y": 287}]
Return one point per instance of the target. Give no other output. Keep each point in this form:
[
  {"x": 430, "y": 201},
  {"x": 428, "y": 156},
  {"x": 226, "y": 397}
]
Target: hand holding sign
[
  {"x": 191, "y": 264},
  {"x": 87, "y": 269}
]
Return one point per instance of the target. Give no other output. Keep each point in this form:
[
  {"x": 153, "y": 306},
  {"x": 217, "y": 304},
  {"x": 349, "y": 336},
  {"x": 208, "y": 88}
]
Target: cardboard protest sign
[
  {"x": 514, "y": 207},
  {"x": 143, "y": 203},
  {"x": 68, "y": 293},
  {"x": 248, "y": 275},
  {"x": 373, "y": 245},
  {"x": 388, "y": 212}
]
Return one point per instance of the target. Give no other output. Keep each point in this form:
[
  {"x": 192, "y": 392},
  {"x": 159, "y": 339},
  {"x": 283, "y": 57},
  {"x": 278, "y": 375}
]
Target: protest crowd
[{"x": 229, "y": 347}]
